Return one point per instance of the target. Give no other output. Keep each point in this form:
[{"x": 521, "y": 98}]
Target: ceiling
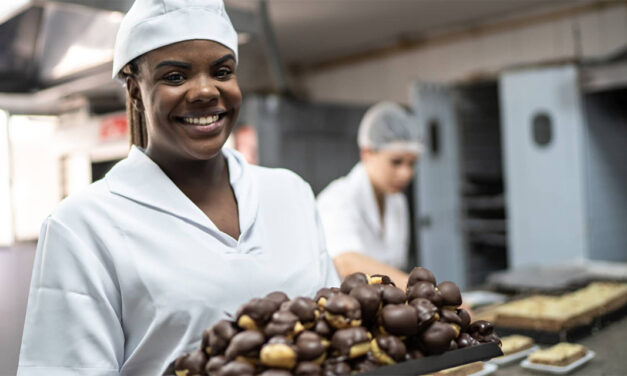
[
  {"x": 311, "y": 32},
  {"x": 39, "y": 38}
]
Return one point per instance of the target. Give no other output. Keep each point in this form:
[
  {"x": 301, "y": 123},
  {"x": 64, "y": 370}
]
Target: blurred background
[{"x": 521, "y": 104}]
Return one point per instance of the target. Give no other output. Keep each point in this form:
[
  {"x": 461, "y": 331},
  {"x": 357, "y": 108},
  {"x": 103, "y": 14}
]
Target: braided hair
[{"x": 136, "y": 119}]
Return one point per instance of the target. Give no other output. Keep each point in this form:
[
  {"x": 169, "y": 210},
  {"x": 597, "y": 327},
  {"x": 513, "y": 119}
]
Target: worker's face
[
  {"x": 389, "y": 171},
  {"x": 189, "y": 94}
]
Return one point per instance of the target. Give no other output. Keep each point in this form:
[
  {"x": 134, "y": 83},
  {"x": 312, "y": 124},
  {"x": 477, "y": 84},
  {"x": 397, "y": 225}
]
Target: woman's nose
[{"x": 202, "y": 89}]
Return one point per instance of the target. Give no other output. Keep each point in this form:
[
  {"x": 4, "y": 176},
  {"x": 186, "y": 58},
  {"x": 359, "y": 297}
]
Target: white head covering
[
  {"x": 151, "y": 24},
  {"x": 387, "y": 126}
]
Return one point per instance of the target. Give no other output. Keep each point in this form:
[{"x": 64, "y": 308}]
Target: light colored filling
[
  {"x": 278, "y": 355},
  {"x": 359, "y": 350}
]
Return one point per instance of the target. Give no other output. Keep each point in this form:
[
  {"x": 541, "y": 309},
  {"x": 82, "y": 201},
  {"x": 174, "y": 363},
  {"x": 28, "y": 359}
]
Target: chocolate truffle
[
  {"x": 436, "y": 339},
  {"x": 399, "y": 319},
  {"x": 387, "y": 349},
  {"x": 237, "y": 368},
  {"x": 310, "y": 347},
  {"x": 275, "y": 372},
  {"x": 342, "y": 311},
  {"x": 483, "y": 331},
  {"x": 191, "y": 364},
  {"x": 322, "y": 328},
  {"x": 452, "y": 318},
  {"x": 351, "y": 342},
  {"x": 380, "y": 279},
  {"x": 307, "y": 369},
  {"x": 425, "y": 290},
  {"x": 427, "y": 312},
  {"x": 419, "y": 274},
  {"x": 451, "y": 296},
  {"x": 214, "y": 364},
  {"x": 391, "y": 294},
  {"x": 256, "y": 313},
  {"x": 246, "y": 344},
  {"x": 278, "y": 296},
  {"x": 217, "y": 338},
  {"x": 305, "y": 308},
  {"x": 465, "y": 340},
  {"x": 336, "y": 367},
  {"x": 353, "y": 280},
  {"x": 283, "y": 323},
  {"x": 370, "y": 302},
  {"x": 465, "y": 318},
  {"x": 323, "y": 294}
]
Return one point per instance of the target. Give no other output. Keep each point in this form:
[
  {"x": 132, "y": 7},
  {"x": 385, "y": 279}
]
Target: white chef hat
[
  {"x": 151, "y": 24},
  {"x": 387, "y": 126}
]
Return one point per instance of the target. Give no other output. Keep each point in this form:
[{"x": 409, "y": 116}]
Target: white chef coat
[
  {"x": 129, "y": 273},
  {"x": 351, "y": 220}
]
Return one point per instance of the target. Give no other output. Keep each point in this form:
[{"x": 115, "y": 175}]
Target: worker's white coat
[
  {"x": 130, "y": 272},
  {"x": 352, "y": 223}
]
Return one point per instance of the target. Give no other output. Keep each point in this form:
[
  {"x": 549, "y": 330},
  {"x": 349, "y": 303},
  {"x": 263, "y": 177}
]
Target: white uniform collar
[{"x": 140, "y": 179}]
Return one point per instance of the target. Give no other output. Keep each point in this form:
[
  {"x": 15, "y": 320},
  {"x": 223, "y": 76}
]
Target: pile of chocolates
[{"x": 366, "y": 323}]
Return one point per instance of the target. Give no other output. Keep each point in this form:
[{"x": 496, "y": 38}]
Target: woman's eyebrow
[
  {"x": 223, "y": 59},
  {"x": 173, "y": 63}
]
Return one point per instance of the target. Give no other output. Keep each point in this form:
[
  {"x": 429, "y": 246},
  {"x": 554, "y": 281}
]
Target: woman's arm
[{"x": 73, "y": 319}]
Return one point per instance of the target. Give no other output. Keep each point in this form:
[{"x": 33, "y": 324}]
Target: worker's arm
[{"x": 353, "y": 262}]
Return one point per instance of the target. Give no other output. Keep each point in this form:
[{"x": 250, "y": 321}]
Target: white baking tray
[
  {"x": 556, "y": 369},
  {"x": 507, "y": 359},
  {"x": 488, "y": 368}
]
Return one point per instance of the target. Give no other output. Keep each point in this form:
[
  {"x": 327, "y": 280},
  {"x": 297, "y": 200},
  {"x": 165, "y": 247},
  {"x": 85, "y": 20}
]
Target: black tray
[
  {"x": 429, "y": 364},
  {"x": 565, "y": 335}
]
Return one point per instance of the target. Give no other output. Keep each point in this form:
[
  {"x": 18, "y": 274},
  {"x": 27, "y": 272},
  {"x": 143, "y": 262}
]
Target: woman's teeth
[{"x": 201, "y": 120}]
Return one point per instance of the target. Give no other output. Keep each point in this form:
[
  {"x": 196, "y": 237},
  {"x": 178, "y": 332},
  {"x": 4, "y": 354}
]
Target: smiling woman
[{"x": 129, "y": 272}]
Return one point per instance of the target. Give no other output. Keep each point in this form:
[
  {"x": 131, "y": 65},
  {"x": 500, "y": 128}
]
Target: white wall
[
  {"x": 35, "y": 186},
  {"x": 6, "y": 213},
  {"x": 50, "y": 158},
  {"x": 602, "y": 30}
]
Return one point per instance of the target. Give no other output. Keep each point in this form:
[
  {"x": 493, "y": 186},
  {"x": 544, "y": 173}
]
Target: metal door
[
  {"x": 438, "y": 184},
  {"x": 542, "y": 135}
]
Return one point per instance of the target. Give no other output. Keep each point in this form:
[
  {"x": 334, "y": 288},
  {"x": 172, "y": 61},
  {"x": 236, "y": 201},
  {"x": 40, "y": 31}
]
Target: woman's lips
[{"x": 204, "y": 125}]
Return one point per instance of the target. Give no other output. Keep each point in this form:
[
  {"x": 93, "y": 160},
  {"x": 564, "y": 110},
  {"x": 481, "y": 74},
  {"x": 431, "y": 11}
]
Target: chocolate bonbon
[{"x": 370, "y": 324}]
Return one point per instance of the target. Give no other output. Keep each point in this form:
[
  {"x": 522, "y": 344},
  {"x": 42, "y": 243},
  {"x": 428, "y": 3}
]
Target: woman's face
[
  {"x": 389, "y": 171},
  {"x": 189, "y": 94}
]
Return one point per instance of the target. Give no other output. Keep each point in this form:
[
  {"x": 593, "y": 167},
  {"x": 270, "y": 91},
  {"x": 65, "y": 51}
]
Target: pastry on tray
[
  {"x": 559, "y": 355},
  {"x": 555, "y": 313},
  {"x": 515, "y": 343}
]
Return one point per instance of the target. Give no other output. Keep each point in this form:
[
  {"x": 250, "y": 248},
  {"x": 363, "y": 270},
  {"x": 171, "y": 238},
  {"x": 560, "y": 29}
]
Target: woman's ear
[{"x": 132, "y": 88}]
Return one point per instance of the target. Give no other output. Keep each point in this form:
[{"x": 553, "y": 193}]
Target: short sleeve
[
  {"x": 73, "y": 319},
  {"x": 340, "y": 227}
]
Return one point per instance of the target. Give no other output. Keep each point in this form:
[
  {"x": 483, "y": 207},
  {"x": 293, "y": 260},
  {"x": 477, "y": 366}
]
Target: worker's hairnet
[{"x": 387, "y": 126}]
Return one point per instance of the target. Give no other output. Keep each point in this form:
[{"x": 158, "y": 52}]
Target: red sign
[{"x": 113, "y": 127}]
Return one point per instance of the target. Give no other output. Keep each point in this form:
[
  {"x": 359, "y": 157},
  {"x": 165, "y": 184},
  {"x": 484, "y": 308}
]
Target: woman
[
  {"x": 365, "y": 214},
  {"x": 129, "y": 273}
]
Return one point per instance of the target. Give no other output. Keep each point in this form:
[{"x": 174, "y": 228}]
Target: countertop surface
[{"x": 609, "y": 344}]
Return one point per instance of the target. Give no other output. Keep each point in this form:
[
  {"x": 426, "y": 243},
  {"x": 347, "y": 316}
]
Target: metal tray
[
  {"x": 427, "y": 364},
  {"x": 565, "y": 335}
]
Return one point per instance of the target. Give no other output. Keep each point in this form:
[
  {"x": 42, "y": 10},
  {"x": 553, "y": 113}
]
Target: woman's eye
[
  {"x": 396, "y": 162},
  {"x": 173, "y": 77},
  {"x": 223, "y": 72}
]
